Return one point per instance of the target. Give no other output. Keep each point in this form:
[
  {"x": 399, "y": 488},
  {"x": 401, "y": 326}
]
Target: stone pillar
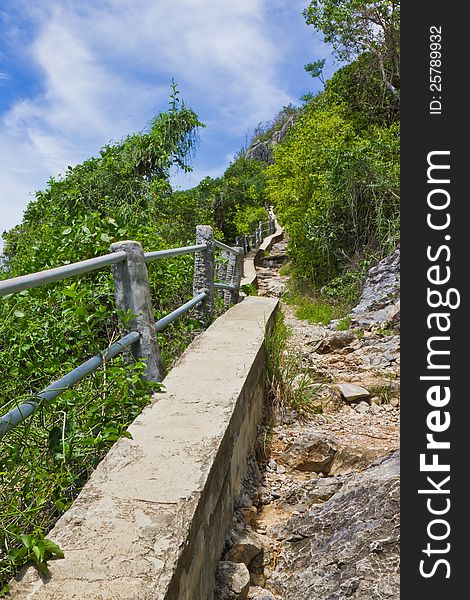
[
  {"x": 247, "y": 243},
  {"x": 239, "y": 259},
  {"x": 222, "y": 269},
  {"x": 132, "y": 293},
  {"x": 234, "y": 277},
  {"x": 230, "y": 279},
  {"x": 204, "y": 269}
]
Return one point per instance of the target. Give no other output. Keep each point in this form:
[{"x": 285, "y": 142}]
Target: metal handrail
[
  {"x": 223, "y": 246},
  {"x": 162, "y": 323},
  {"x": 174, "y": 252},
  {"x": 224, "y": 286},
  {"x": 33, "y": 280},
  {"x": 23, "y": 411}
]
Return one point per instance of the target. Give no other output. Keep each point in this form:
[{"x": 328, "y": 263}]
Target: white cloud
[{"x": 104, "y": 70}]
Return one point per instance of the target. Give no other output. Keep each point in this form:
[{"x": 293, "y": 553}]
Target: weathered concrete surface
[
  {"x": 151, "y": 522},
  {"x": 132, "y": 293},
  {"x": 252, "y": 258}
]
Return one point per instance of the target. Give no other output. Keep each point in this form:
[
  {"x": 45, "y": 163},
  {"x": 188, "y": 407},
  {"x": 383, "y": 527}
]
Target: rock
[
  {"x": 351, "y": 392},
  {"x": 349, "y": 458},
  {"x": 394, "y": 401},
  {"x": 381, "y": 288},
  {"x": 276, "y": 288},
  {"x": 312, "y": 452},
  {"x": 347, "y": 547},
  {"x": 362, "y": 407},
  {"x": 232, "y": 581},
  {"x": 263, "y": 150},
  {"x": 393, "y": 318},
  {"x": 271, "y": 465},
  {"x": 330, "y": 399},
  {"x": 258, "y": 593},
  {"x": 335, "y": 341},
  {"x": 247, "y": 546}
]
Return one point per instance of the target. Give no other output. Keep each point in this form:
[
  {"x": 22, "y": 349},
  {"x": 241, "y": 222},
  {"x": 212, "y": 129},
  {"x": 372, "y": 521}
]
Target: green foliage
[
  {"x": 359, "y": 88},
  {"x": 344, "y": 323},
  {"x": 347, "y": 287},
  {"x": 356, "y": 26},
  {"x": 236, "y": 200},
  {"x": 315, "y": 310},
  {"x": 246, "y": 219},
  {"x": 249, "y": 289},
  {"x": 315, "y": 69},
  {"x": 340, "y": 200}
]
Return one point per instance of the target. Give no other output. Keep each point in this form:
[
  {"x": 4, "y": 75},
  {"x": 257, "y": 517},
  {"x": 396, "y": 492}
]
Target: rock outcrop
[
  {"x": 263, "y": 149},
  {"x": 379, "y": 304},
  {"x": 347, "y": 547}
]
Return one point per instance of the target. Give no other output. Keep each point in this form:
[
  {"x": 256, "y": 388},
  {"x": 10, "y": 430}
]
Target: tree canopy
[{"x": 356, "y": 26}]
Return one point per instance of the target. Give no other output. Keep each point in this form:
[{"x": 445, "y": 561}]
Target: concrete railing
[{"x": 151, "y": 522}]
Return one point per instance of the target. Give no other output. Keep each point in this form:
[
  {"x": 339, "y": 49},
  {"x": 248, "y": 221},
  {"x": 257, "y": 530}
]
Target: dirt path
[{"x": 298, "y": 512}]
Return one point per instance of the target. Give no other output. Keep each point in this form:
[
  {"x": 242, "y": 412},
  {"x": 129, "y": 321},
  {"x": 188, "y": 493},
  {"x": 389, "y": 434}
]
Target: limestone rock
[
  {"x": 312, "y": 452},
  {"x": 246, "y": 547},
  {"x": 258, "y": 593},
  {"x": 352, "y": 393},
  {"x": 263, "y": 150},
  {"x": 232, "y": 581},
  {"x": 335, "y": 341},
  {"x": 347, "y": 547},
  {"x": 381, "y": 288}
]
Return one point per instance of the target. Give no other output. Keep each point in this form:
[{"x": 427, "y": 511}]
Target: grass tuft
[{"x": 290, "y": 384}]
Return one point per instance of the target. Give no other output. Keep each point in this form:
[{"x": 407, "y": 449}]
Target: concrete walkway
[
  {"x": 150, "y": 524},
  {"x": 249, "y": 264}
]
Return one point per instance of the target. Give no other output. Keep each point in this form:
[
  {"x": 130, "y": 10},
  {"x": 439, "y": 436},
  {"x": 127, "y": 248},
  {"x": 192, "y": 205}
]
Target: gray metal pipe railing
[
  {"x": 23, "y": 411},
  {"x": 162, "y": 323},
  {"x": 33, "y": 280},
  {"x": 27, "y": 282},
  {"x": 223, "y": 246},
  {"x": 174, "y": 252},
  {"x": 224, "y": 286}
]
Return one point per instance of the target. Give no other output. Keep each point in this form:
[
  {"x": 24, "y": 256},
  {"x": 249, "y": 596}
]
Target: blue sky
[{"x": 76, "y": 74}]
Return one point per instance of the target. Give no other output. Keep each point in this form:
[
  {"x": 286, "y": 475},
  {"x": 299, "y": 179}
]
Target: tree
[
  {"x": 126, "y": 181},
  {"x": 356, "y": 26},
  {"x": 316, "y": 69}
]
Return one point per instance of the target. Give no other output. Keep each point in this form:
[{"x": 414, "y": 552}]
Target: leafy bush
[{"x": 335, "y": 190}]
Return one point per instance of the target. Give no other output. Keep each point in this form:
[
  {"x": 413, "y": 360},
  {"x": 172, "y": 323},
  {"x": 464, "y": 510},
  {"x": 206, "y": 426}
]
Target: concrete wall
[
  {"x": 253, "y": 257},
  {"x": 151, "y": 522}
]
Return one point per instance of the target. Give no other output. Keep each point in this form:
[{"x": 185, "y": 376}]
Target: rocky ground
[{"x": 319, "y": 519}]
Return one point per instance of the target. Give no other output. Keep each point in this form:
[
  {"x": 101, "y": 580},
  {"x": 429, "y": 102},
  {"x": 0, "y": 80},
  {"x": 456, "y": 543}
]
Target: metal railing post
[
  {"x": 132, "y": 293},
  {"x": 204, "y": 269}
]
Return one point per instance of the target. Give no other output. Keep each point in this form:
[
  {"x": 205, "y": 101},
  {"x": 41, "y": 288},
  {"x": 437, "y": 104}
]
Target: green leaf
[
  {"x": 53, "y": 548},
  {"x": 26, "y": 540}
]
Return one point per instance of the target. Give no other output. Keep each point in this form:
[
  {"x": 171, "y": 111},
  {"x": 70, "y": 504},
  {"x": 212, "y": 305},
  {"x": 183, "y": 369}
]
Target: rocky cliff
[{"x": 263, "y": 149}]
